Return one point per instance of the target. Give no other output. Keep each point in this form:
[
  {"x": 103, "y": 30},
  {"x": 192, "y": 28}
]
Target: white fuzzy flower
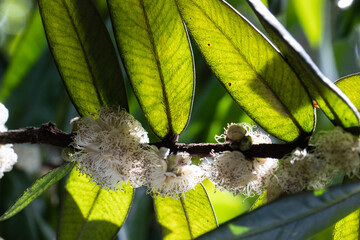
[
  {"x": 334, "y": 152},
  {"x": 172, "y": 175},
  {"x": 111, "y": 148},
  {"x": 231, "y": 171},
  {"x": 7, "y": 155}
]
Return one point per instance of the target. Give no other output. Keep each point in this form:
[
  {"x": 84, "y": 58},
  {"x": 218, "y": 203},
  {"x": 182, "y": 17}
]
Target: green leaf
[
  {"x": 311, "y": 16},
  {"x": 84, "y": 54},
  {"x": 37, "y": 188},
  {"x": 348, "y": 227},
  {"x": 155, "y": 49},
  {"x": 90, "y": 212},
  {"x": 251, "y": 70},
  {"x": 27, "y": 52},
  {"x": 295, "y": 217},
  {"x": 350, "y": 85},
  {"x": 336, "y": 105},
  {"x": 187, "y": 217}
]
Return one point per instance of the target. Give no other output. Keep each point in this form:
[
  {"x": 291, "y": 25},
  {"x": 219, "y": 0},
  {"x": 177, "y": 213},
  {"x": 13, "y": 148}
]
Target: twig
[{"x": 48, "y": 133}]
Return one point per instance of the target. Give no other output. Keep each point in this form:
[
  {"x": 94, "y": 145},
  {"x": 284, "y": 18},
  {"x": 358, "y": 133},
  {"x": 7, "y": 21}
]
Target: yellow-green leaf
[
  {"x": 249, "y": 67},
  {"x": 335, "y": 104},
  {"x": 350, "y": 85},
  {"x": 348, "y": 227},
  {"x": 155, "y": 49},
  {"x": 84, "y": 54},
  {"x": 37, "y": 188},
  {"x": 90, "y": 212},
  {"x": 187, "y": 217}
]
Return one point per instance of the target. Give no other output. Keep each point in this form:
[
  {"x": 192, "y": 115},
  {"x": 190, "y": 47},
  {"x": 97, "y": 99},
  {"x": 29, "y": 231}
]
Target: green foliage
[
  {"x": 351, "y": 87},
  {"x": 28, "y": 50},
  {"x": 84, "y": 54},
  {"x": 331, "y": 100},
  {"x": 90, "y": 212},
  {"x": 295, "y": 217},
  {"x": 187, "y": 217},
  {"x": 250, "y": 69},
  {"x": 36, "y": 189},
  {"x": 158, "y": 60},
  {"x": 348, "y": 227}
]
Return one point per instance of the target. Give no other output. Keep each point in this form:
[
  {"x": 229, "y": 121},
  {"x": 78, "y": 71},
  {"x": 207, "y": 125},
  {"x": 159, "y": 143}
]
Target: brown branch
[{"x": 48, "y": 133}]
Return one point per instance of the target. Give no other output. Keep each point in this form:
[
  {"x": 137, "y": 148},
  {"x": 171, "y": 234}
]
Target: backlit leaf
[
  {"x": 295, "y": 217},
  {"x": 250, "y": 69},
  {"x": 155, "y": 49},
  {"x": 336, "y": 105},
  {"x": 84, "y": 54},
  {"x": 90, "y": 212},
  {"x": 348, "y": 227},
  {"x": 187, "y": 217},
  {"x": 350, "y": 85},
  {"x": 37, "y": 188}
]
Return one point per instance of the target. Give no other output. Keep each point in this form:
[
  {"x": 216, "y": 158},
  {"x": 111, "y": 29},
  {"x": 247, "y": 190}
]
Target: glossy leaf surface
[
  {"x": 90, "y": 212},
  {"x": 37, "y": 188},
  {"x": 27, "y": 52},
  {"x": 155, "y": 49},
  {"x": 84, "y": 54},
  {"x": 336, "y": 105},
  {"x": 350, "y": 85},
  {"x": 187, "y": 217},
  {"x": 250, "y": 69},
  {"x": 296, "y": 217}
]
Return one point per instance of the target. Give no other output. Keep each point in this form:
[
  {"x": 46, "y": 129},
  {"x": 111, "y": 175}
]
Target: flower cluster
[
  {"x": 112, "y": 149},
  {"x": 334, "y": 152},
  {"x": 7, "y": 155},
  {"x": 232, "y": 171}
]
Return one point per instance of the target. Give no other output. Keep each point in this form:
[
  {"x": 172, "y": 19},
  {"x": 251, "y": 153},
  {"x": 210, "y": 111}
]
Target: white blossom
[
  {"x": 7, "y": 155},
  {"x": 172, "y": 175},
  {"x": 111, "y": 148},
  {"x": 232, "y": 171},
  {"x": 334, "y": 152}
]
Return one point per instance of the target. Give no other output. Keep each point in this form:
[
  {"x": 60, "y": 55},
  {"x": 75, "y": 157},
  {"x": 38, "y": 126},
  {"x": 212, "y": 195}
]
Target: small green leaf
[
  {"x": 336, "y": 105},
  {"x": 294, "y": 217},
  {"x": 350, "y": 85},
  {"x": 251, "y": 70},
  {"x": 37, "y": 188},
  {"x": 84, "y": 54},
  {"x": 187, "y": 217},
  {"x": 348, "y": 227},
  {"x": 27, "y": 52},
  {"x": 155, "y": 48},
  {"x": 90, "y": 212}
]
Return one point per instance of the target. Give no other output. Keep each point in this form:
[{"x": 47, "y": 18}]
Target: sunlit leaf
[
  {"x": 295, "y": 217},
  {"x": 27, "y": 52},
  {"x": 187, "y": 217},
  {"x": 331, "y": 100},
  {"x": 348, "y": 227},
  {"x": 311, "y": 16},
  {"x": 155, "y": 48},
  {"x": 350, "y": 85},
  {"x": 37, "y": 188},
  {"x": 250, "y": 69},
  {"x": 90, "y": 212},
  {"x": 84, "y": 54}
]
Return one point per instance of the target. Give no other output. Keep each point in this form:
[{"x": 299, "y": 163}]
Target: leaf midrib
[
  {"x": 250, "y": 65},
  {"x": 186, "y": 217},
  {"x": 159, "y": 68},
  {"x": 93, "y": 79},
  {"x": 86, "y": 220}
]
